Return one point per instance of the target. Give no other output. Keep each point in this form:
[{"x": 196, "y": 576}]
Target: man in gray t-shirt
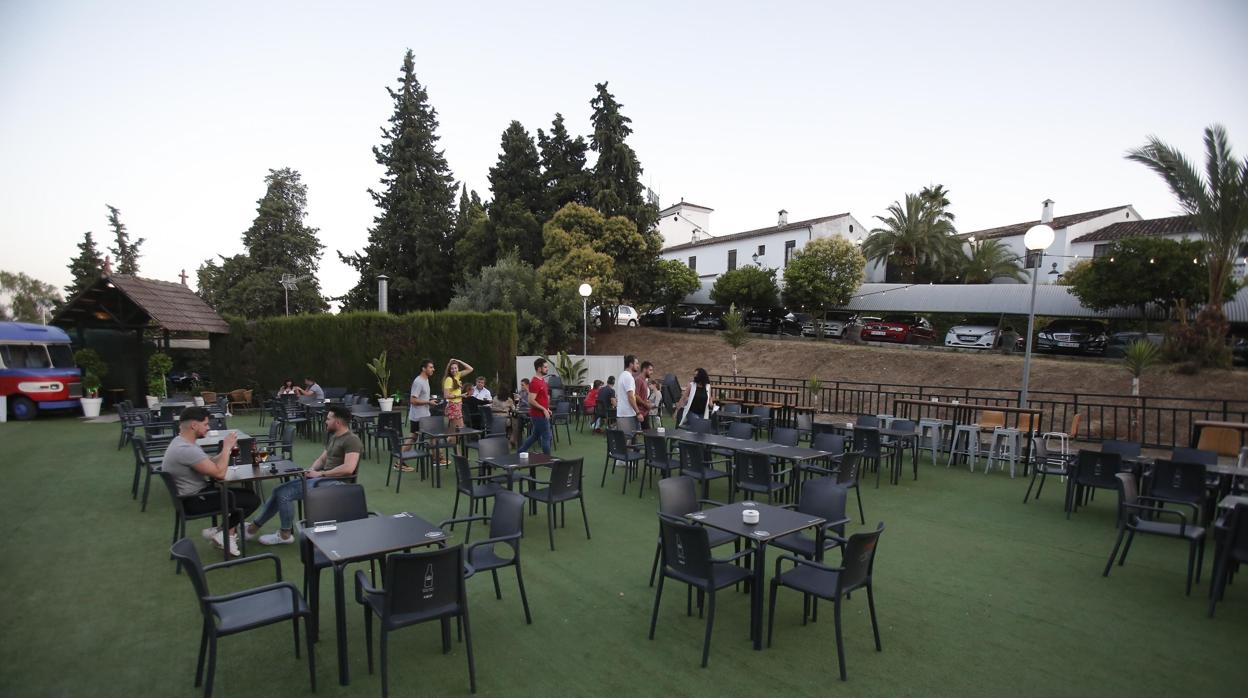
[{"x": 420, "y": 400}]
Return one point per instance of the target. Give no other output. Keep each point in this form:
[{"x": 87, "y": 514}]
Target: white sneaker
[
  {"x": 216, "y": 540},
  {"x": 209, "y": 532},
  {"x": 276, "y": 539},
  {"x": 247, "y": 531}
]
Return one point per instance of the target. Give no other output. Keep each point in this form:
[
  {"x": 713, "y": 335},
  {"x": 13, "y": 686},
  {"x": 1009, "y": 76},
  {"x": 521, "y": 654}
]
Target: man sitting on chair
[{"x": 339, "y": 459}]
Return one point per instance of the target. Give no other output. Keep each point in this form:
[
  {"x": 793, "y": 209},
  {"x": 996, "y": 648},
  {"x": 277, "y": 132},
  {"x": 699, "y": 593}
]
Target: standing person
[
  {"x": 339, "y": 459},
  {"x": 697, "y": 397},
  {"x": 643, "y": 393},
  {"x": 187, "y": 463},
  {"x": 453, "y": 393},
  {"x": 419, "y": 402},
  {"x": 626, "y": 392},
  {"x": 539, "y": 407}
]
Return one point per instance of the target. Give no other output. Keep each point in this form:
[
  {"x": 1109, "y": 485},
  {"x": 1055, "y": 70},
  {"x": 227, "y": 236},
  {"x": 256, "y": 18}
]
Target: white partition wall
[{"x": 599, "y": 366}]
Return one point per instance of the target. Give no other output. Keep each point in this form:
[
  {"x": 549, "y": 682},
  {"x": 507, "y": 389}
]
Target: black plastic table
[
  {"x": 362, "y": 539},
  {"x": 773, "y": 522},
  {"x": 511, "y": 462},
  {"x": 438, "y": 442}
]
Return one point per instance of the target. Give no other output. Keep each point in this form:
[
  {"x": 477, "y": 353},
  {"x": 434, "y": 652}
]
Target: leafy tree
[
  {"x": 410, "y": 240},
  {"x": 278, "y": 242},
  {"x": 510, "y": 286},
  {"x": 563, "y": 166},
  {"x": 988, "y": 260},
  {"x": 823, "y": 275},
  {"x": 1144, "y": 271},
  {"x": 126, "y": 253},
  {"x": 635, "y": 255},
  {"x": 673, "y": 281},
  {"x": 475, "y": 246},
  {"x": 736, "y": 335},
  {"x": 748, "y": 287},
  {"x": 86, "y": 267},
  {"x": 916, "y": 241},
  {"x": 571, "y": 259},
  {"x": 25, "y": 299},
  {"x": 615, "y": 182},
  {"x": 1218, "y": 202},
  {"x": 519, "y": 206}
]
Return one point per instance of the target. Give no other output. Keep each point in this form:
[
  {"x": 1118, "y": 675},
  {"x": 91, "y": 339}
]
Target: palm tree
[
  {"x": 1218, "y": 201},
  {"x": 916, "y": 235},
  {"x": 937, "y": 197},
  {"x": 990, "y": 260}
]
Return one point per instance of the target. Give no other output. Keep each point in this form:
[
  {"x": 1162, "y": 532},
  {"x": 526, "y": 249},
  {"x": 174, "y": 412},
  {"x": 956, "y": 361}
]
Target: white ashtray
[
  {"x": 661, "y": 430},
  {"x": 749, "y": 516}
]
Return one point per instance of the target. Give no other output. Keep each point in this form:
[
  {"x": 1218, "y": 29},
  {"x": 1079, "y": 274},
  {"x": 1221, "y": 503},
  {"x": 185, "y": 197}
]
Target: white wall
[
  {"x": 678, "y": 222},
  {"x": 1062, "y": 251},
  {"x": 600, "y": 366}
]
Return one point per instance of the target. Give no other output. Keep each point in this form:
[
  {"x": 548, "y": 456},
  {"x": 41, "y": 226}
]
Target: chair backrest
[
  {"x": 692, "y": 457},
  {"x": 492, "y": 447},
  {"x": 699, "y": 425},
  {"x": 824, "y": 498},
  {"x": 1099, "y": 469},
  {"x": 1220, "y": 440},
  {"x": 785, "y": 436},
  {"x": 1236, "y": 540},
  {"x": 172, "y": 486},
  {"x": 867, "y": 442},
  {"x": 848, "y": 472},
  {"x": 435, "y": 424},
  {"x": 991, "y": 418},
  {"x": 867, "y": 420},
  {"x": 390, "y": 420},
  {"x": 1075, "y": 423},
  {"x": 751, "y": 468},
  {"x": 902, "y": 425},
  {"x": 1025, "y": 423},
  {"x": 336, "y": 503},
  {"x": 731, "y": 408},
  {"x": 497, "y": 425},
  {"x": 617, "y": 443},
  {"x": 565, "y": 477},
  {"x": 686, "y": 549},
  {"x": 508, "y": 515},
  {"x": 827, "y": 441},
  {"x": 185, "y": 553},
  {"x": 656, "y": 449},
  {"x": 858, "y": 559},
  {"x": 1128, "y": 494},
  {"x": 563, "y": 408},
  {"x": 394, "y": 442},
  {"x": 424, "y": 581},
  {"x": 1174, "y": 480},
  {"x": 678, "y": 496},
  {"x": 463, "y": 474},
  {"x": 741, "y": 430},
  {"x": 761, "y": 411},
  {"x": 1126, "y": 449},
  {"x": 1183, "y": 454}
]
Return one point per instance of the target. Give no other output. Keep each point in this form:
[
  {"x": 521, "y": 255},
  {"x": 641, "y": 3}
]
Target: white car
[
  {"x": 624, "y": 315},
  {"x": 973, "y": 336}
]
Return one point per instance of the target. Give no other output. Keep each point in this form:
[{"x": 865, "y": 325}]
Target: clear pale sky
[{"x": 175, "y": 111}]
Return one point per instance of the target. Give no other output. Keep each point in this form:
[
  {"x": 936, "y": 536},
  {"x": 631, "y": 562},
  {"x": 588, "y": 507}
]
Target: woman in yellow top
[{"x": 452, "y": 390}]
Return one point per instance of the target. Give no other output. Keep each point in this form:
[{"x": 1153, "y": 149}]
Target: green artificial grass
[{"x": 977, "y": 594}]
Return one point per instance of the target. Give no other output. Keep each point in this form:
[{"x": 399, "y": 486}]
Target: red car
[{"x": 904, "y": 329}]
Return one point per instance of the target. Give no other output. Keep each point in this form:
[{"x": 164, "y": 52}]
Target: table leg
[
  {"x": 340, "y": 620},
  {"x": 756, "y": 599},
  {"x": 225, "y": 521}
]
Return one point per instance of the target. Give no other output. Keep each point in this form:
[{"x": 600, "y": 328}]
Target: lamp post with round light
[
  {"x": 585, "y": 291},
  {"x": 1037, "y": 239}
]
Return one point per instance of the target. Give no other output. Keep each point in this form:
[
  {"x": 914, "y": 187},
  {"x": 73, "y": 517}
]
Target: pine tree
[
  {"x": 411, "y": 238},
  {"x": 86, "y": 267},
  {"x": 615, "y": 181},
  {"x": 475, "y": 249},
  {"x": 126, "y": 253},
  {"x": 563, "y": 166},
  {"x": 519, "y": 206}
]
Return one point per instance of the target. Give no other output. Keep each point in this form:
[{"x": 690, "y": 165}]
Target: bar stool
[
  {"x": 1005, "y": 442},
  {"x": 932, "y": 435},
  {"x": 970, "y": 449}
]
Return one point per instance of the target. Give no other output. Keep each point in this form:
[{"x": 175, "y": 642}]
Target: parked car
[
  {"x": 834, "y": 324},
  {"x": 682, "y": 316},
  {"x": 764, "y": 321},
  {"x": 792, "y": 323},
  {"x": 902, "y": 328},
  {"x": 1118, "y": 341},
  {"x": 971, "y": 335},
  {"x": 1078, "y": 336},
  {"x": 624, "y": 315},
  {"x": 710, "y": 319}
]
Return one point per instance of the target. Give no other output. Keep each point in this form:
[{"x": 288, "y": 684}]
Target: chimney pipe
[
  {"x": 383, "y": 290},
  {"x": 784, "y": 218},
  {"x": 1046, "y": 214}
]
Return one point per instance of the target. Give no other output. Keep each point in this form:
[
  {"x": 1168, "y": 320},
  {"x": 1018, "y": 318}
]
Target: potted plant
[
  {"x": 572, "y": 372},
  {"x": 379, "y": 368},
  {"x": 158, "y": 366},
  {"x": 93, "y": 370}
]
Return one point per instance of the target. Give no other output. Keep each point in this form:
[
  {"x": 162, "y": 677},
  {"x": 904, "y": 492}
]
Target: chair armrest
[
  {"x": 277, "y": 563},
  {"x": 710, "y": 501},
  {"x": 252, "y": 592},
  {"x": 735, "y": 556},
  {"x": 798, "y": 561},
  {"x": 533, "y": 480},
  {"x": 462, "y": 519},
  {"x": 363, "y": 587},
  {"x": 1163, "y": 512},
  {"x": 790, "y": 507},
  {"x": 839, "y": 522},
  {"x": 491, "y": 541}
]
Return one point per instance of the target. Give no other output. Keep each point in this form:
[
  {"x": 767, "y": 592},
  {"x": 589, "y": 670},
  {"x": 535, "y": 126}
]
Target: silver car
[
  {"x": 973, "y": 336},
  {"x": 833, "y": 326}
]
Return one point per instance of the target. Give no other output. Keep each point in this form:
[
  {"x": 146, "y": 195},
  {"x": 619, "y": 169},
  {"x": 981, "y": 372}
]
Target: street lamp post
[
  {"x": 1037, "y": 239},
  {"x": 585, "y": 291}
]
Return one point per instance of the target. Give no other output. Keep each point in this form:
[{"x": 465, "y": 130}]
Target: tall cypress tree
[
  {"x": 615, "y": 182},
  {"x": 475, "y": 248},
  {"x": 411, "y": 238},
  {"x": 563, "y": 166},
  {"x": 85, "y": 267},
  {"x": 519, "y": 206},
  {"x": 126, "y": 253}
]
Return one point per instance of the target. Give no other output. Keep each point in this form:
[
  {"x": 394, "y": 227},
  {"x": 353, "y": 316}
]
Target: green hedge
[{"x": 335, "y": 349}]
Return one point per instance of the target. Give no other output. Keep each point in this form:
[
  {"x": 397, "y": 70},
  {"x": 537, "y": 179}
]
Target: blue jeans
[
  {"x": 282, "y": 501},
  {"x": 540, "y": 430}
]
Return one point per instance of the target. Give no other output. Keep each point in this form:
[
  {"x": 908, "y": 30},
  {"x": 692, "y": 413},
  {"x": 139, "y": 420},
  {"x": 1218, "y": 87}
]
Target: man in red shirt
[{"x": 539, "y": 407}]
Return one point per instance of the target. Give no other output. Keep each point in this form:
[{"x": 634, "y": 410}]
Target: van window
[
  {"x": 25, "y": 356},
  {"x": 62, "y": 356}
]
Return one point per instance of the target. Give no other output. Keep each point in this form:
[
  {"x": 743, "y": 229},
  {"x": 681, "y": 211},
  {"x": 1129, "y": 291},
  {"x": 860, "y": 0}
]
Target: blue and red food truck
[{"x": 37, "y": 370}]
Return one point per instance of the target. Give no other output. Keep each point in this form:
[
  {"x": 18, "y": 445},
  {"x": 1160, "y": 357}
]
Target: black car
[
  {"x": 1076, "y": 336},
  {"x": 710, "y": 319},
  {"x": 682, "y": 316},
  {"x": 764, "y": 321},
  {"x": 792, "y": 323},
  {"x": 1118, "y": 341}
]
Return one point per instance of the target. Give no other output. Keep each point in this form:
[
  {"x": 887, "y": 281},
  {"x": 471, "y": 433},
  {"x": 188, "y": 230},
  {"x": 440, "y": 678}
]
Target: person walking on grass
[{"x": 539, "y": 407}]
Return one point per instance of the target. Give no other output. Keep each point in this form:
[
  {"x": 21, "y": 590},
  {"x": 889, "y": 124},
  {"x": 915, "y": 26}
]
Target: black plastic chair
[
  {"x": 1093, "y": 469},
  {"x": 1194, "y": 455},
  {"x": 399, "y": 456},
  {"x": 1126, "y": 449},
  {"x": 867, "y": 420},
  {"x": 687, "y": 558},
  {"x": 180, "y": 515},
  {"x": 831, "y": 583},
  {"x": 619, "y": 451},
  {"x": 698, "y": 425},
  {"x": 694, "y": 463},
  {"x": 1232, "y": 552},
  {"x": 147, "y": 459},
  {"x": 826, "y": 499},
  {"x": 895, "y": 449},
  {"x": 657, "y": 460},
  {"x": 477, "y": 488},
  {"x": 753, "y": 473},
  {"x": 867, "y": 444},
  {"x": 679, "y": 496},
  {"x": 1047, "y": 464},
  {"x": 1181, "y": 482},
  {"x": 339, "y": 503},
  {"x": 229, "y": 614},
  {"x": 784, "y": 436},
  {"x": 419, "y": 587},
  {"x": 762, "y": 418},
  {"x": 564, "y": 485},
  {"x": 392, "y": 421},
  {"x": 848, "y": 475},
  {"x": 1130, "y": 507},
  {"x": 823, "y": 441},
  {"x": 562, "y": 416},
  {"x": 506, "y": 528}
]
